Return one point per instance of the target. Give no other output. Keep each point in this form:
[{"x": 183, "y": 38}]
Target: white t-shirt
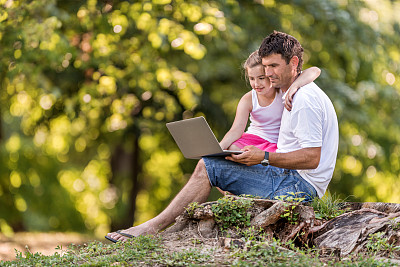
[
  {"x": 266, "y": 121},
  {"x": 312, "y": 123}
]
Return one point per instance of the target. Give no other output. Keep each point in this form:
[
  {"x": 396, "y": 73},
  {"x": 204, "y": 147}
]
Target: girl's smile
[{"x": 258, "y": 81}]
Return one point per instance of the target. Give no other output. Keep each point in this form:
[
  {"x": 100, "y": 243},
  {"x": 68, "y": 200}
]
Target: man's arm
[{"x": 305, "y": 158}]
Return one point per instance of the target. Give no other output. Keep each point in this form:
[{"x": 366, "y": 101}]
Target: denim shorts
[{"x": 261, "y": 181}]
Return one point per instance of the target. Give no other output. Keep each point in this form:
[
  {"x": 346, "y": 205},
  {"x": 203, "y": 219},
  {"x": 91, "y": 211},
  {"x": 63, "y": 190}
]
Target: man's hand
[{"x": 251, "y": 156}]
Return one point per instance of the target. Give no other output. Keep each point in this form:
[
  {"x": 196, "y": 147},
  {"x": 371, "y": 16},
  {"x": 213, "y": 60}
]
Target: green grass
[
  {"x": 145, "y": 250},
  {"x": 149, "y": 251},
  {"x": 273, "y": 254},
  {"x": 328, "y": 207},
  {"x": 230, "y": 213}
]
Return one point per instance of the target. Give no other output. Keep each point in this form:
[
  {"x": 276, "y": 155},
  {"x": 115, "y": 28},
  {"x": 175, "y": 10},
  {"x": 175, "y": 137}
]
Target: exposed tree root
[{"x": 338, "y": 237}]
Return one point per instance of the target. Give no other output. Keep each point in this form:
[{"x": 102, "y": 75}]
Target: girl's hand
[{"x": 289, "y": 97}]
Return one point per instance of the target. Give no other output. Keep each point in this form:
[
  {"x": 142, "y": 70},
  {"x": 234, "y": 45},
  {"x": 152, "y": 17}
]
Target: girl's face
[{"x": 258, "y": 80}]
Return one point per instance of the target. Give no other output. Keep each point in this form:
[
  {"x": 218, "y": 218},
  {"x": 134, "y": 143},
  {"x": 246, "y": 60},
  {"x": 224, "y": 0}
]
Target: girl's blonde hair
[{"x": 252, "y": 61}]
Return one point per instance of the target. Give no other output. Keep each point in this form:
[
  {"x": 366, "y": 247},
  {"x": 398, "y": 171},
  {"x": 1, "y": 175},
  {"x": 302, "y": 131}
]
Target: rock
[
  {"x": 203, "y": 213},
  {"x": 180, "y": 223},
  {"x": 206, "y": 228}
]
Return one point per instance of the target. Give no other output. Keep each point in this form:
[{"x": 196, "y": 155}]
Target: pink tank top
[{"x": 266, "y": 121}]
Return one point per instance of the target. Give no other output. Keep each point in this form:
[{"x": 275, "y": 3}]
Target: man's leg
[
  {"x": 257, "y": 180},
  {"x": 197, "y": 189}
]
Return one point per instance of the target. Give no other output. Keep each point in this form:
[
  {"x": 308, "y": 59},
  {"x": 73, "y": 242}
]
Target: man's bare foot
[{"x": 133, "y": 231}]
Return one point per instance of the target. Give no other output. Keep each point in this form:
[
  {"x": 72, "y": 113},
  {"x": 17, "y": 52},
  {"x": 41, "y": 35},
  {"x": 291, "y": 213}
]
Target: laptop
[{"x": 195, "y": 139}]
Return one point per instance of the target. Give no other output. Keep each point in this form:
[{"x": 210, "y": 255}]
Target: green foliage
[
  {"x": 290, "y": 215},
  {"x": 191, "y": 208},
  {"x": 293, "y": 200},
  {"x": 395, "y": 224},
  {"x": 377, "y": 243},
  {"x": 87, "y": 87},
  {"x": 110, "y": 76},
  {"x": 232, "y": 212},
  {"x": 149, "y": 251},
  {"x": 252, "y": 233},
  {"x": 328, "y": 207},
  {"x": 144, "y": 250},
  {"x": 293, "y": 197},
  {"x": 188, "y": 257},
  {"x": 273, "y": 254},
  {"x": 361, "y": 260}
]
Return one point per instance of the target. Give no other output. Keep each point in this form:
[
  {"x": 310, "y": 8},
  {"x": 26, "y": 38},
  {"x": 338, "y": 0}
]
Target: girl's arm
[
  {"x": 307, "y": 76},
  {"x": 239, "y": 124}
]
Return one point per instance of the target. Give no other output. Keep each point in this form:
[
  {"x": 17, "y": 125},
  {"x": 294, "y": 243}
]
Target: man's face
[{"x": 280, "y": 74}]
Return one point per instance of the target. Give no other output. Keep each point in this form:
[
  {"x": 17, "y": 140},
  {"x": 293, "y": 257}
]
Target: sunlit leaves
[
  {"x": 3, "y": 15},
  {"x": 107, "y": 85},
  {"x": 13, "y": 143},
  {"x": 5, "y": 228},
  {"x": 41, "y": 34},
  {"x": 15, "y": 179},
  {"x": 119, "y": 22},
  {"x": 104, "y": 44},
  {"x": 85, "y": 187},
  {"x": 20, "y": 203},
  {"x": 46, "y": 101},
  {"x": 20, "y": 104},
  {"x": 203, "y": 28},
  {"x": 81, "y": 79}
]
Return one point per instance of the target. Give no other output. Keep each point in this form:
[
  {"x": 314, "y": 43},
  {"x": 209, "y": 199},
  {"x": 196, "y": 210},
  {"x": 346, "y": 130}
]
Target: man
[{"x": 303, "y": 163}]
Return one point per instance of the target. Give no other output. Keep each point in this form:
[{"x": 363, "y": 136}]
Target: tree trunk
[
  {"x": 1, "y": 128},
  {"x": 135, "y": 170},
  {"x": 125, "y": 165}
]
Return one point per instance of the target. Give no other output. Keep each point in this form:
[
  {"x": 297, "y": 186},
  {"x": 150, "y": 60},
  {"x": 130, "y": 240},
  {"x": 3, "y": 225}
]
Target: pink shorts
[{"x": 254, "y": 140}]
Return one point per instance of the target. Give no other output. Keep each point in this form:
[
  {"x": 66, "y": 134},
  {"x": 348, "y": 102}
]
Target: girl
[{"x": 264, "y": 105}]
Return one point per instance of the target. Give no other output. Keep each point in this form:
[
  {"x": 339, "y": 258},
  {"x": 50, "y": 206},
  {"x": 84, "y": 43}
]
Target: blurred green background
[{"x": 87, "y": 87}]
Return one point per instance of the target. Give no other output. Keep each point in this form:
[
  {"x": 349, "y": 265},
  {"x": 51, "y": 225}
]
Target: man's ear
[{"x": 294, "y": 61}]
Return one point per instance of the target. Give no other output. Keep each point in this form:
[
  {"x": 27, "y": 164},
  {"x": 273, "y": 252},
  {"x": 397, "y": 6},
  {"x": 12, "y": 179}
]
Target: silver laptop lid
[{"x": 194, "y": 137}]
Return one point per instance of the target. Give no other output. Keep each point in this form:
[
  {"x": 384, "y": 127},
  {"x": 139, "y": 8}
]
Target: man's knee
[
  {"x": 201, "y": 163},
  {"x": 200, "y": 171},
  {"x": 200, "y": 168}
]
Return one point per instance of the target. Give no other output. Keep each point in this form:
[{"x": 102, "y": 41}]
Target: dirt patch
[
  {"x": 45, "y": 243},
  {"x": 191, "y": 239}
]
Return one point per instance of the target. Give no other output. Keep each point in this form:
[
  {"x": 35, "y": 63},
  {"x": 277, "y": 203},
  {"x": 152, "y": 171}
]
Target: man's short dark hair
[{"x": 285, "y": 45}]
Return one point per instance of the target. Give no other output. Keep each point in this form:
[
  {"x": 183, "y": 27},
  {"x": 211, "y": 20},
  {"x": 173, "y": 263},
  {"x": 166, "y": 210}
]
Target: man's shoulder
[
  {"x": 311, "y": 90},
  {"x": 310, "y": 86},
  {"x": 307, "y": 91},
  {"x": 310, "y": 95}
]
